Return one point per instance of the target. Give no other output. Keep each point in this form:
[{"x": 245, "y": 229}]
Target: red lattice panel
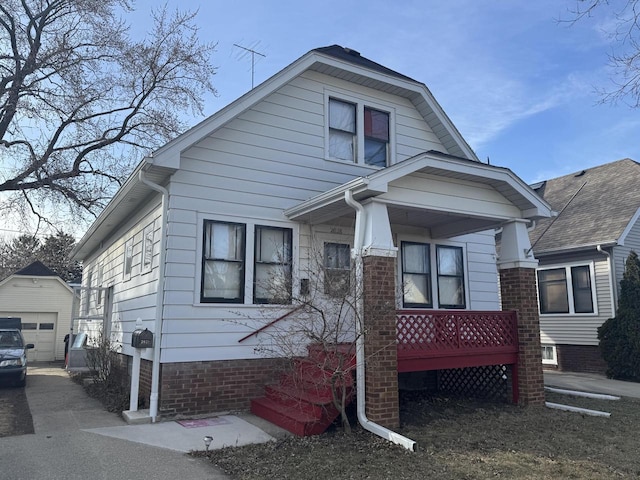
[
  {"x": 447, "y": 331},
  {"x": 488, "y": 382}
]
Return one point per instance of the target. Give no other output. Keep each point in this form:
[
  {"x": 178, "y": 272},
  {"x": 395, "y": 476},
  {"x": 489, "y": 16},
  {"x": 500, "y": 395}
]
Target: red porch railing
[{"x": 441, "y": 339}]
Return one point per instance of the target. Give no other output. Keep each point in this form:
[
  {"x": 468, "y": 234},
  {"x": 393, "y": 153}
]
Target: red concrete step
[{"x": 290, "y": 418}]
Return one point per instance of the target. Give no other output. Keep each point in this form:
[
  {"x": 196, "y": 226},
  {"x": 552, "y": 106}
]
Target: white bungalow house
[
  {"x": 582, "y": 254},
  {"x": 335, "y": 153}
]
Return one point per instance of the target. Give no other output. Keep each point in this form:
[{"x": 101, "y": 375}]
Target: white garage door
[{"x": 39, "y": 329}]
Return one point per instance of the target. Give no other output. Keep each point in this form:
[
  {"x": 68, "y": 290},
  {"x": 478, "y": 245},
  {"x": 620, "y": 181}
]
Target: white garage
[{"x": 43, "y": 302}]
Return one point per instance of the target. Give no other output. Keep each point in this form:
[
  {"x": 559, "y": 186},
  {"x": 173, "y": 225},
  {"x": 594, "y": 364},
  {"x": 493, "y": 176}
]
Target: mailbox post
[{"x": 139, "y": 339}]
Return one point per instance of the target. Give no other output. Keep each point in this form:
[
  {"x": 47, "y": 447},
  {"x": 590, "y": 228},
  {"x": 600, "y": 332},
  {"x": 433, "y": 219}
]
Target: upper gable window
[
  {"x": 376, "y": 137},
  {"x": 358, "y": 133},
  {"x": 342, "y": 130}
]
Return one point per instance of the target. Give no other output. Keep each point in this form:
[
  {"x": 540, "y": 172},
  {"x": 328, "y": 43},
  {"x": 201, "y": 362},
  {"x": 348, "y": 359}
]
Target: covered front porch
[{"x": 440, "y": 199}]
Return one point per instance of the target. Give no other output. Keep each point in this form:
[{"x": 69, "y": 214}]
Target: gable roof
[
  {"x": 595, "y": 207},
  {"x": 37, "y": 269},
  {"x": 331, "y": 204},
  {"x": 334, "y": 60}
]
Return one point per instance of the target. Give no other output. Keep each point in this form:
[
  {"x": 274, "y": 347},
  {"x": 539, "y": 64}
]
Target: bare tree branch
[
  {"x": 81, "y": 102},
  {"x": 624, "y": 61}
]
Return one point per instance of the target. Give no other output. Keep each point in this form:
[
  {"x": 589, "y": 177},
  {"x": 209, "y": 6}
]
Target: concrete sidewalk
[
  {"x": 590, "y": 382},
  {"x": 75, "y": 438}
]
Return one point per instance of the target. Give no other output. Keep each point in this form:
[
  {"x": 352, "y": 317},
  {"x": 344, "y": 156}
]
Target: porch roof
[{"x": 472, "y": 197}]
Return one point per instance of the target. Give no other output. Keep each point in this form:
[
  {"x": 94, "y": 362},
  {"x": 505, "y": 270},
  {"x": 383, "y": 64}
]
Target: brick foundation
[
  {"x": 381, "y": 360},
  {"x": 579, "y": 358},
  {"x": 193, "y": 388},
  {"x": 518, "y": 289}
]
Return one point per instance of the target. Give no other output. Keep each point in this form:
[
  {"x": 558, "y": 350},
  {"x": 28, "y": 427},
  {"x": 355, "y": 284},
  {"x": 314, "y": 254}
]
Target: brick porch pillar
[
  {"x": 518, "y": 292},
  {"x": 381, "y": 360}
]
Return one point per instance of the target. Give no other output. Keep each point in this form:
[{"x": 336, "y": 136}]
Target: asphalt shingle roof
[
  {"x": 353, "y": 56},
  {"x": 594, "y": 206},
  {"x": 37, "y": 269}
]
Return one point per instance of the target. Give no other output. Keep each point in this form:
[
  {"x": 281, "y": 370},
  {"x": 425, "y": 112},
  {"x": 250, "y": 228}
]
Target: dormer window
[{"x": 358, "y": 133}]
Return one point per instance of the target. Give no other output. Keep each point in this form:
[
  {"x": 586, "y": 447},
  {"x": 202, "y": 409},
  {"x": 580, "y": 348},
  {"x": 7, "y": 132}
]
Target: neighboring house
[
  {"x": 582, "y": 253},
  {"x": 43, "y": 301},
  {"x": 335, "y": 152}
]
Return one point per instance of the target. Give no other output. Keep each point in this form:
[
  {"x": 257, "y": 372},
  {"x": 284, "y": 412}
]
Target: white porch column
[
  {"x": 377, "y": 239},
  {"x": 515, "y": 246}
]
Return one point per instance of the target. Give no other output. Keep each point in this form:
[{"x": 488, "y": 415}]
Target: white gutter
[
  {"x": 157, "y": 343},
  {"x": 612, "y": 278},
  {"x": 360, "y": 359}
]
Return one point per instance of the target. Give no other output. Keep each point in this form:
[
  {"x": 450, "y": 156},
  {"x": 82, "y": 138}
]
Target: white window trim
[
  {"x": 127, "y": 275},
  {"x": 250, "y": 224},
  {"x": 144, "y": 266},
  {"x": 360, "y": 102},
  {"x": 433, "y": 243},
  {"x": 551, "y": 361},
  {"x": 567, "y": 267}
]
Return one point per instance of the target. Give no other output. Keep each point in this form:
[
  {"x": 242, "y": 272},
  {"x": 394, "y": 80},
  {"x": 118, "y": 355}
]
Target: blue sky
[{"x": 518, "y": 84}]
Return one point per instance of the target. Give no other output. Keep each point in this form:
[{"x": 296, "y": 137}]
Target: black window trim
[
  {"x": 289, "y": 262},
  {"x": 236, "y": 300}
]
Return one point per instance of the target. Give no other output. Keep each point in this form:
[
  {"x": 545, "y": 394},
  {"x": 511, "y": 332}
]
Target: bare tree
[
  {"x": 54, "y": 252},
  {"x": 624, "y": 33},
  {"x": 81, "y": 100}
]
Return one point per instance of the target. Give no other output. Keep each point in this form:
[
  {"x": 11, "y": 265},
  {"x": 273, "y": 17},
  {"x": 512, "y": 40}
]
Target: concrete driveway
[
  {"x": 591, "y": 382},
  {"x": 61, "y": 448}
]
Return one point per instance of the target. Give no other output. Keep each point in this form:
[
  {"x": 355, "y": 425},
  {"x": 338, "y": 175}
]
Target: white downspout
[
  {"x": 612, "y": 279},
  {"x": 155, "y": 371},
  {"x": 360, "y": 359}
]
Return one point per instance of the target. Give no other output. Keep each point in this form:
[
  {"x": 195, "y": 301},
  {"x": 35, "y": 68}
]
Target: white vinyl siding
[{"x": 134, "y": 295}]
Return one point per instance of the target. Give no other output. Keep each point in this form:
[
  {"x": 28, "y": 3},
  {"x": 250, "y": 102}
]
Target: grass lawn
[{"x": 460, "y": 439}]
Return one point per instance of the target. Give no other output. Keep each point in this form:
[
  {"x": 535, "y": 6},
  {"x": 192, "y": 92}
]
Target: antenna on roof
[{"x": 253, "y": 53}]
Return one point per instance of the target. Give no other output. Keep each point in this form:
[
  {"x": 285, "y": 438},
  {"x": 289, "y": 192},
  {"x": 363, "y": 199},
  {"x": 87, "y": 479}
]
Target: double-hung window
[
  {"x": 450, "y": 277},
  {"x": 128, "y": 259},
  {"x": 147, "y": 248},
  {"x": 342, "y": 130},
  {"x": 337, "y": 268},
  {"x": 358, "y": 133},
  {"x": 421, "y": 282},
  {"x": 376, "y": 137},
  {"x": 565, "y": 290},
  {"x": 416, "y": 275},
  {"x": 223, "y": 262},
  {"x": 272, "y": 272}
]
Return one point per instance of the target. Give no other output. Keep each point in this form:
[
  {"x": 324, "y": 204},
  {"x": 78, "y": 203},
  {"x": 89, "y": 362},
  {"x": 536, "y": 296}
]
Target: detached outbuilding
[{"x": 43, "y": 301}]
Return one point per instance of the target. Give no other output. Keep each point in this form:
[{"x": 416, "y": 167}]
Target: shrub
[{"x": 620, "y": 336}]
